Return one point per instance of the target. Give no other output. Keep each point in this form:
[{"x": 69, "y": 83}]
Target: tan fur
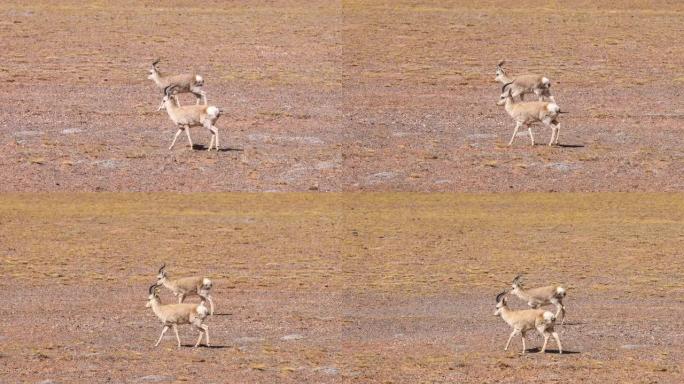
[
  {"x": 537, "y": 297},
  {"x": 526, "y": 320},
  {"x": 172, "y": 315},
  {"x": 528, "y": 113},
  {"x": 188, "y": 286},
  {"x": 523, "y": 84},
  {"x": 183, "y": 83},
  {"x": 188, "y": 116}
]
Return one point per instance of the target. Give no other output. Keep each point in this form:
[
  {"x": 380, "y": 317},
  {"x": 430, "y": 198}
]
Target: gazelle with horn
[
  {"x": 183, "y": 83},
  {"x": 530, "y": 112},
  {"x": 188, "y": 116},
  {"x": 187, "y": 286},
  {"x": 526, "y": 320},
  {"x": 536, "y": 297},
  {"x": 172, "y": 315},
  {"x": 522, "y": 84}
]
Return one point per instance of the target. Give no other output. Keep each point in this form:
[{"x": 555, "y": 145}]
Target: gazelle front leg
[
  {"x": 515, "y": 132},
  {"x": 175, "y": 137},
  {"x": 166, "y": 328},
  {"x": 187, "y": 132},
  {"x": 509, "y": 339}
]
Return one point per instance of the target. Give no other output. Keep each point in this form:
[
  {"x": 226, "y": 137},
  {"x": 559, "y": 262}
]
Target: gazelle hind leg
[
  {"x": 211, "y": 305},
  {"x": 206, "y": 333},
  {"x": 215, "y": 131},
  {"x": 175, "y": 329},
  {"x": 166, "y": 328},
  {"x": 199, "y": 339},
  {"x": 555, "y": 142},
  {"x": 560, "y": 347},
  {"x": 546, "y": 335},
  {"x": 529, "y": 129},
  {"x": 522, "y": 337}
]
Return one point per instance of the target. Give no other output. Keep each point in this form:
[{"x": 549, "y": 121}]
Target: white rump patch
[
  {"x": 213, "y": 111},
  {"x": 549, "y": 317},
  {"x": 206, "y": 282},
  {"x": 198, "y": 78},
  {"x": 560, "y": 291},
  {"x": 545, "y": 80}
]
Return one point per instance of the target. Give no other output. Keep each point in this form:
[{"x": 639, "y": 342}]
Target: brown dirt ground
[
  {"x": 381, "y": 288},
  {"x": 336, "y": 96}
]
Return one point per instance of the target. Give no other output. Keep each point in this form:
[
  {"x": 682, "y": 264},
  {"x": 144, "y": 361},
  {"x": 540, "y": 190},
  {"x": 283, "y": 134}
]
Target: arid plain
[{"x": 347, "y": 97}]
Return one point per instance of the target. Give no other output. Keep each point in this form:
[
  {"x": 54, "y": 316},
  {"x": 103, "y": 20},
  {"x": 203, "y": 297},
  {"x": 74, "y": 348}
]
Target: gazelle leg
[
  {"x": 515, "y": 132},
  {"x": 522, "y": 97},
  {"x": 529, "y": 129},
  {"x": 216, "y": 143},
  {"x": 522, "y": 337},
  {"x": 175, "y": 137},
  {"x": 555, "y": 336},
  {"x": 211, "y": 143},
  {"x": 557, "y": 133},
  {"x": 211, "y": 304},
  {"x": 206, "y": 332},
  {"x": 553, "y": 134},
  {"x": 166, "y": 328},
  {"x": 546, "y": 335},
  {"x": 199, "y": 339},
  {"x": 509, "y": 339},
  {"x": 175, "y": 329},
  {"x": 181, "y": 297},
  {"x": 187, "y": 132}
]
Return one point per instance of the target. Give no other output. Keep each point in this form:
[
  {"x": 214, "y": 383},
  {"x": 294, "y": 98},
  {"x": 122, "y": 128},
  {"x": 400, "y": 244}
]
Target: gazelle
[
  {"x": 187, "y": 286},
  {"x": 172, "y": 315},
  {"x": 536, "y": 297},
  {"x": 530, "y": 112},
  {"x": 183, "y": 83},
  {"x": 523, "y": 84},
  {"x": 526, "y": 320},
  {"x": 188, "y": 116}
]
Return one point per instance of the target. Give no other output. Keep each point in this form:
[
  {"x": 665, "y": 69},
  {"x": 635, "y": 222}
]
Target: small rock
[
  {"x": 293, "y": 336},
  {"x": 71, "y": 130},
  {"x": 328, "y": 370},
  {"x": 154, "y": 379}
]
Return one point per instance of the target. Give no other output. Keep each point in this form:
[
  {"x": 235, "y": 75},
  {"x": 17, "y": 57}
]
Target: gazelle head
[
  {"x": 153, "y": 70},
  {"x": 500, "y": 72},
  {"x": 154, "y": 291},
  {"x": 169, "y": 91},
  {"x": 161, "y": 275},
  {"x": 505, "y": 94},
  {"x": 517, "y": 282},
  {"x": 500, "y": 302}
]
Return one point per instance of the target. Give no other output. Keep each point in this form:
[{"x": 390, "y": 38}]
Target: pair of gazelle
[
  {"x": 172, "y": 315},
  {"x": 537, "y": 319},
  {"x": 528, "y": 113},
  {"x": 186, "y": 116}
]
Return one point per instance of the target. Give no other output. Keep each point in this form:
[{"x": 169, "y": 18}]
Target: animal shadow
[
  {"x": 554, "y": 351},
  {"x": 200, "y": 147},
  {"x": 205, "y": 347}
]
